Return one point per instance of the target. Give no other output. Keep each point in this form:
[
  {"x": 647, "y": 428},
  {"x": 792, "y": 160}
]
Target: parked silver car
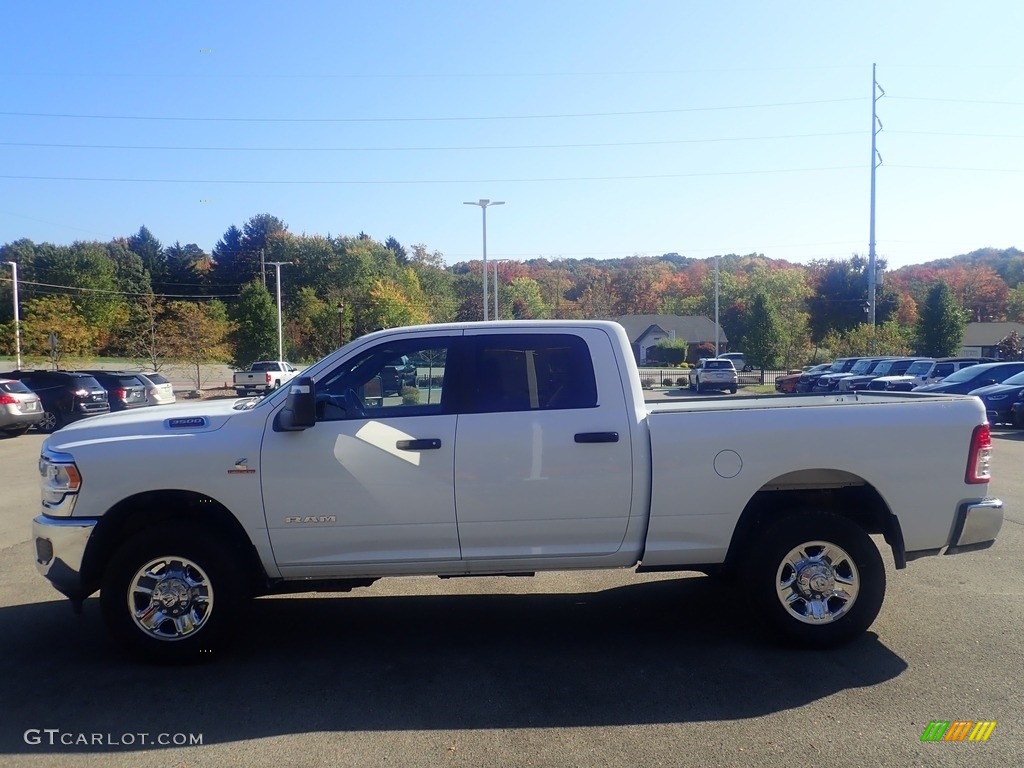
[
  {"x": 714, "y": 373},
  {"x": 20, "y": 408},
  {"x": 158, "y": 389}
]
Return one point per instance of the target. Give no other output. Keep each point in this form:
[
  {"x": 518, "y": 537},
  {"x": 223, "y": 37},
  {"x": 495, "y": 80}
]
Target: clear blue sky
[{"x": 610, "y": 129}]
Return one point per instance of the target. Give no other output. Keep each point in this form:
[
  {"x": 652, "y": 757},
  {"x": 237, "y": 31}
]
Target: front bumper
[{"x": 60, "y": 547}]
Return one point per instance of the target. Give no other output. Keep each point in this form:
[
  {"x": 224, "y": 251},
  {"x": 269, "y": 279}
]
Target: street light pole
[
  {"x": 341, "y": 324},
  {"x": 280, "y": 339},
  {"x": 483, "y": 203},
  {"x": 17, "y": 317}
]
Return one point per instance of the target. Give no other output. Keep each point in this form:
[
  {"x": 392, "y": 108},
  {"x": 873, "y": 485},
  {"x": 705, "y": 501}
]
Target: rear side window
[
  {"x": 943, "y": 369},
  {"x": 14, "y": 387},
  {"x": 529, "y": 372}
]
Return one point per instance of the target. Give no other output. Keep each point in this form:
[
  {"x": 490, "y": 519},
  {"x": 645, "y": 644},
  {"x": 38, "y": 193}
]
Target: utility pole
[
  {"x": 876, "y": 160},
  {"x": 17, "y": 317},
  {"x": 716, "y": 306},
  {"x": 263, "y": 268},
  {"x": 280, "y": 338}
]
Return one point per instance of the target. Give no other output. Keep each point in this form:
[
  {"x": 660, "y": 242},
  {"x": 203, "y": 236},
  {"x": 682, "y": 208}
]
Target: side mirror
[{"x": 299, "y": 412}]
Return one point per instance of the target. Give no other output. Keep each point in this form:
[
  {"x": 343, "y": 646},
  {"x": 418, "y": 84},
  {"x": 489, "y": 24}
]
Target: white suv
[{"x": 714, "y": 373}]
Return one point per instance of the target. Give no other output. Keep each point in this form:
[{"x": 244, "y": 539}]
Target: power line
[
  {"x": 458, "y": 118},
  {"x": 336, "y": 182},
  {"x": 428, "y": 148},
  {"x": 125, "y": 293}
]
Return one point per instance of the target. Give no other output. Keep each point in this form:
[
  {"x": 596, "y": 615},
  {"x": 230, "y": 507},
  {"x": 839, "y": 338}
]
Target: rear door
[{"x": 542, "y": 455}]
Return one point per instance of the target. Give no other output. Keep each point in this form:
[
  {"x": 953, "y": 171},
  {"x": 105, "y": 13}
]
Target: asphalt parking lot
[{"x": 576, "y": 669}]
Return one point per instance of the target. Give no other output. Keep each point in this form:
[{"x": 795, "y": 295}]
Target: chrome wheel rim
[
  {"x": 170, "y": 598},
  {"x": 817, "y": 582}
]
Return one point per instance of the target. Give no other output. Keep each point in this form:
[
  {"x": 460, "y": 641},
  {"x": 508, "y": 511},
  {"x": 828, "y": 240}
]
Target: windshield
[
  {"x": 966, "y": 374},
  {"x": 1017, "y": 378},
  {"x": 861, "y": 366},
  {"x": 837, "y": 366},
  {"x": 718, "y": 365},
  {"x": 920, "y": 368},
  {"x": 884, "y": 367}
]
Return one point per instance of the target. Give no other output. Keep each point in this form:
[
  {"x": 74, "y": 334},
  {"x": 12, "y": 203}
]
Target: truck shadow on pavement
[{"x": 669, "y": 651}]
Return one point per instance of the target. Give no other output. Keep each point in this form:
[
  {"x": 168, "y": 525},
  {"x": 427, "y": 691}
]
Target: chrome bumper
[
  {"x": 977, "y": 525},
  {"x": 60, "y": 546}
]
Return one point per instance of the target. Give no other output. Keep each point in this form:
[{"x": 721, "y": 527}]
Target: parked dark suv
[
  {"x": 66, "y": 395},
  {"x": 124, "y": 390}
]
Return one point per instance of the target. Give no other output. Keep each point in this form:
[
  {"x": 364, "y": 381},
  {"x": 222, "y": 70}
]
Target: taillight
[
  {"x": 979, "y": 459},
  {"x": 120, "y": 394},
  {"x": 7, "y": 400},
  {"x": 268, "y": 377}
]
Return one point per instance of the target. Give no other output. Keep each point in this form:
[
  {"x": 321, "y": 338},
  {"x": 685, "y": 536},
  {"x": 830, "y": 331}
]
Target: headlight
[{"x": 59, "y": 478}]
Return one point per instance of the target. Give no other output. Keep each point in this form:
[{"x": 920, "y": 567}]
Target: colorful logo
[{"x": 958, "y": 730}]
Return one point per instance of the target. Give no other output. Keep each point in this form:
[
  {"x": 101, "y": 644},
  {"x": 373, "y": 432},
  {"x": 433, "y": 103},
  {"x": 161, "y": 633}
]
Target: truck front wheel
[
  {"x": 817, "y": 579},
  {"x": 170, "y": 594}
]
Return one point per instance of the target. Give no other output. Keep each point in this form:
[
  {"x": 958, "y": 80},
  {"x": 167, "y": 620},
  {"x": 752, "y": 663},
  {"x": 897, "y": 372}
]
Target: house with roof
[
  {"x": 980, "y": 339},
  {"x": 645, "y": 331}
]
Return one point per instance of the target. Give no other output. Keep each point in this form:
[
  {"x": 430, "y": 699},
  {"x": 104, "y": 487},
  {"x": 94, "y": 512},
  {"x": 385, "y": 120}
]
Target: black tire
[
  {"x": 855, "y": 561},
  {"x": 181, "y": 559},
  {"x": 732, "y": 390},
  {"x": 51, "y": 422},
  {"x": 14, "y": 432},
  {"x": 698, "y": 387}
]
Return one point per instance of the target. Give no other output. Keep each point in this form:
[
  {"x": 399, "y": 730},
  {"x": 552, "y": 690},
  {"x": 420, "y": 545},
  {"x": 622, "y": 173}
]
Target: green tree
[
  {"x": 940, "y": 326},
  {"x": 56, "y": 314},
  {"x": 255, "y": 325},
  {"x": 200, "y": 333},
  {"x": 147, "y": 335},
  {"x": 150, "y": 252},
  {"x": 763, "y": 342}
]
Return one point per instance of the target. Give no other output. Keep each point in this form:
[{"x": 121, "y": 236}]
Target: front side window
[
  {"x": 398, "y": 378},
  {"x": 528, "y": 372}
]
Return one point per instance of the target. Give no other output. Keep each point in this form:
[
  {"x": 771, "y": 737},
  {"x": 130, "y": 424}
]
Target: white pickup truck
[
  {"x": 264, "y": 376},
  {"x": 524, "y": 447}
]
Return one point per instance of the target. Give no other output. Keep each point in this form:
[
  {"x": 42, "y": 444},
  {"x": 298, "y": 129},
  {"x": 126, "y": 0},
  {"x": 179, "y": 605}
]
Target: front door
[{"x": 369, "y": 488}]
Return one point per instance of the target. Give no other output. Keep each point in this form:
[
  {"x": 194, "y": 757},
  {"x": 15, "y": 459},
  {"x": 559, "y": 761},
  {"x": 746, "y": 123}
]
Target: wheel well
[
  {"x": 861, "y": 504},
  {"x": 136, "y": 513}
]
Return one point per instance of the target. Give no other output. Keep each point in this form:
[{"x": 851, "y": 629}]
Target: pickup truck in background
[
  {"x": 263, "y": 376},
  {"x": 529, "y": 447}
]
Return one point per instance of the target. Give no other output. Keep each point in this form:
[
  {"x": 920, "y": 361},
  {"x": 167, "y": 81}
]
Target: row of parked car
[
  {"x": 47, "y": 400},
  {"x": 999, "y": 384}
]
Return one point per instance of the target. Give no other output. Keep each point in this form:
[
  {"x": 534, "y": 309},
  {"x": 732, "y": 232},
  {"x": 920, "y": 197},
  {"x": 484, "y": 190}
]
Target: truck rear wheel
[
  {"x": 817, "y": 579},
  {"x": 170, "y": 594}
]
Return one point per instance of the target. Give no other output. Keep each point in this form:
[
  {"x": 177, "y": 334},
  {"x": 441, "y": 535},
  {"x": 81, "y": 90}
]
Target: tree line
[{"x": 136, "y": 298}]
